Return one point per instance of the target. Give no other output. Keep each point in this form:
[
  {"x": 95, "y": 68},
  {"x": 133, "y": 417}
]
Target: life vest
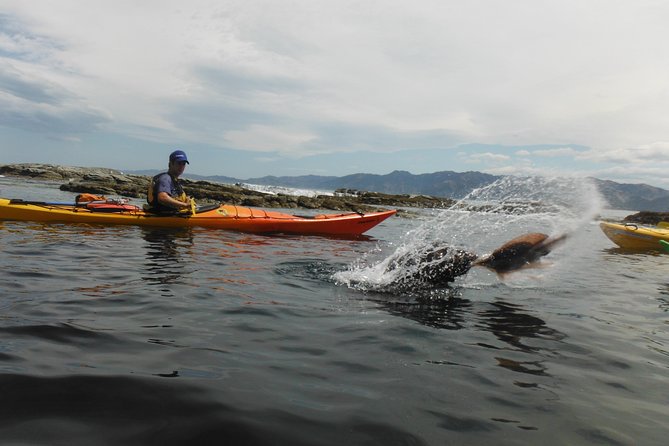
[{"x": 152, "y": 194}]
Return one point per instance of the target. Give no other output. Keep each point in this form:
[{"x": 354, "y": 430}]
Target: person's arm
[{"x": 166, "y": 200}]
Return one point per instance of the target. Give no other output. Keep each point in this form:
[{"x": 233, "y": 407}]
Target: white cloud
[
  {"x": 264, "y": 138},
  {"x": 523, "y": 169},
  {"x": 654, "y": 153},
  {"x": 489, "y": 156},
  {"x": 31, "y": 102},
  {"x": 548, "y": 153},
  {"x": 486, "y": 156},
  {"x": 551, "y": 153},
  {"x": 261, "y": 75}
]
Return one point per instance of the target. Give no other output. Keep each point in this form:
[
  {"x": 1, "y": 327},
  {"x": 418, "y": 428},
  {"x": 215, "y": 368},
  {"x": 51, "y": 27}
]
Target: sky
[{"x": 334, "y": 87}]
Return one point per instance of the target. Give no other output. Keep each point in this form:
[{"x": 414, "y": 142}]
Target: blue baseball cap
[{"x": 178, "y": 155}]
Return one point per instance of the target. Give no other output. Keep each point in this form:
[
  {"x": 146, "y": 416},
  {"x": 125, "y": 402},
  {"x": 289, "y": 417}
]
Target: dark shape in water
[
  {"x": 440, "y": 265},
  {"x": 434, "y": 267},
  {"x": 519, "y": 252}
]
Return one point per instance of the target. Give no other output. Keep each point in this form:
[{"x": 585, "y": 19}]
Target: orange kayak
[{"x": 228, "y": 217}]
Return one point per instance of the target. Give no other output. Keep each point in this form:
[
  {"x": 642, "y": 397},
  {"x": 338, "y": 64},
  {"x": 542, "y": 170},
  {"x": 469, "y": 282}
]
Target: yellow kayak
[
  {"x": 635, "y": 236},
  {"x": 229, "y": 217}
]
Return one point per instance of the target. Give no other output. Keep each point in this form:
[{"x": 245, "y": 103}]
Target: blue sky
[{"x": 251, "y": 88}]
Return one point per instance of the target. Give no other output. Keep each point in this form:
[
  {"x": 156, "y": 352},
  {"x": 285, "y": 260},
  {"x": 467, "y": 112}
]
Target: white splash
[
  {"x": 274, "y": 190},
  {"x": 484, "y": 220}
]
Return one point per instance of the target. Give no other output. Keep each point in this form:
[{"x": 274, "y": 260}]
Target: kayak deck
[
  {"x": 229, "y": 217},
  {"x": 633, "y": 236}
]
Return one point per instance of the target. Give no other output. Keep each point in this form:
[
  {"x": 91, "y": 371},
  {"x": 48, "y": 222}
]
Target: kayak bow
[{"x": 634, "y": 236}]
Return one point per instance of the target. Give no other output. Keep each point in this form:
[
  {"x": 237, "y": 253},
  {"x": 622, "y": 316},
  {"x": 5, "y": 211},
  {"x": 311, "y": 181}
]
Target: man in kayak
[{"x": 165, "y": 193}]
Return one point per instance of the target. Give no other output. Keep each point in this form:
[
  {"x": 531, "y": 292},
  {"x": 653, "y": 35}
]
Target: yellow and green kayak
[
  {"x": 235, "y": 218},
  {"x": 635, "y": 236}
]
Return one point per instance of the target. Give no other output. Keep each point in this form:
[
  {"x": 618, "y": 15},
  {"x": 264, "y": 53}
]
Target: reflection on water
[
  {"x": 168, "y": 252},
  {"x": 510, "y": 323},
  {"x": 516, "y": 328},
  {"x": 450, "y": 313},
  {"x": 527, "y": 342},
  {"x": 664, "y": 298}
]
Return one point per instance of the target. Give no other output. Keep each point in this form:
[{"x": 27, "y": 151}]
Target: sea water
[{"x": 127, "y": 335}]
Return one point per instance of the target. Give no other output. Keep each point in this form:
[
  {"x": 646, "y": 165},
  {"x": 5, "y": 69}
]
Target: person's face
[{"x": 177, "y": 167}]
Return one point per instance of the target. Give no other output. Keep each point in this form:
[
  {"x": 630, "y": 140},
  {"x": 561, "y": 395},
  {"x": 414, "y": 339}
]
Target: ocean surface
[{"x": 130, "y": 336}]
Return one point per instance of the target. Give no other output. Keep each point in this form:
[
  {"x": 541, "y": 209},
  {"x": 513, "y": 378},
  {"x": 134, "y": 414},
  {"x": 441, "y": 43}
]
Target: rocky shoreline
[{"x": 111, "y": 182}]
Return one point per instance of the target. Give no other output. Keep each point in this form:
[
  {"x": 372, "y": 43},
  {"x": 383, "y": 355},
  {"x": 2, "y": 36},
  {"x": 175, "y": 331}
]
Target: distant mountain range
[{"x": 633, "y": 197}]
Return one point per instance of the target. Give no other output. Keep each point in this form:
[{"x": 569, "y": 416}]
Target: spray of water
[{"x": 479, "y": 223}]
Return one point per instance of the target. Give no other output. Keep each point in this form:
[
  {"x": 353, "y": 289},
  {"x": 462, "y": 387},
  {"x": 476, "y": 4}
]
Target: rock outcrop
[{"x": 647, "y": 218}]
